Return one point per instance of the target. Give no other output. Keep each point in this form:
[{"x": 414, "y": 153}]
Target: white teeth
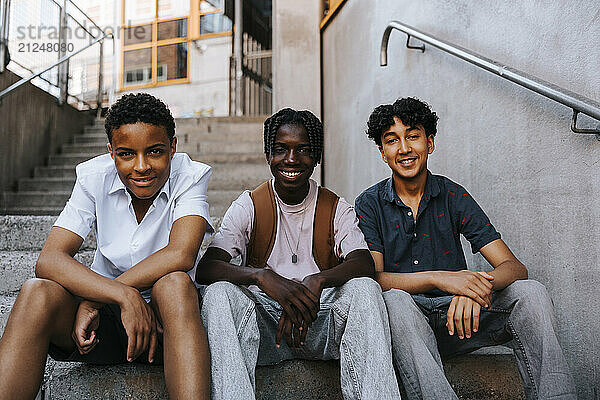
[
  {"x": 290, "y": 174},
  {"x": 407, "y": 161}
]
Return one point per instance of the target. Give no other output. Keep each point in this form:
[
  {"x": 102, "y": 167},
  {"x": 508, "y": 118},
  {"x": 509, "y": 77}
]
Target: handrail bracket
[
  {"x": 575, "y": 129},
  {"x": 408, "y": 45}
]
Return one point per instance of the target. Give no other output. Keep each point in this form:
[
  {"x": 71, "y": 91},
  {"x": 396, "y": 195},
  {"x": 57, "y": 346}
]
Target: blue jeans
[
  {"x": 351, "y": 326},
  {"x": 521, "y": 314}
]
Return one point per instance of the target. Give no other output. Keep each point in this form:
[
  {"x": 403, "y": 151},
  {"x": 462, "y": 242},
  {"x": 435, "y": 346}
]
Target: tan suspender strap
[
  {"x": 323, "y": 241},
  {"x": 263, "y": 235}
]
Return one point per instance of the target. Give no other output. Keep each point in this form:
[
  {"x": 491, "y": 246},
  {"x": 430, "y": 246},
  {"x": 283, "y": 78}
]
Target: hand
[
  {"x": 298, "y": 302},
  {"x": 87, "y": 320},
  {"x": 140, "y": 324},
  {"x": 476, "y": 285},
  {"x": 463, "y": 312}
]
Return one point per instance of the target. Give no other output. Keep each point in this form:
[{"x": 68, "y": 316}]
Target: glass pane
[
  {"x": 176, "y": 28},
  {"x": 137, "y": 67},
  {"x": 138, "y": 34},
  {"x": 138, "y": 11},
  {"x": 172, "y": 62},
  {"x": 173, "y": 8},
  {"x": 214, "y": 23}
]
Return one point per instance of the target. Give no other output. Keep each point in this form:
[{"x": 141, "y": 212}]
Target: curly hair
[
  {"x": 410, "y": 110},
  {"x": 305, "y": 118},
  {"x": 140, "y": 107}
]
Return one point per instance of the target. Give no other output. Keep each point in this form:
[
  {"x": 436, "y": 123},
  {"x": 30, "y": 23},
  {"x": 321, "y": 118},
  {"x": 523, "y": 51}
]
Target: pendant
[{"x": 294, "y": 258}]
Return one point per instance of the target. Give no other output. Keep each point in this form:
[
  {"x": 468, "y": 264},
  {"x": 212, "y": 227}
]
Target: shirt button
[
  {"x": 410, "y": 213},
  {"x": 134, "y": 245},
  {"x": 416, "y": 262},
  {"x": 414, "y": 234}
]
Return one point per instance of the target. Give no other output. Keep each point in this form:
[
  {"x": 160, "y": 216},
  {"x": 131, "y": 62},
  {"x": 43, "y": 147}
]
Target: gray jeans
[
  {"x": 352, "y": 325},
  {"x": 521, "y": 313}
]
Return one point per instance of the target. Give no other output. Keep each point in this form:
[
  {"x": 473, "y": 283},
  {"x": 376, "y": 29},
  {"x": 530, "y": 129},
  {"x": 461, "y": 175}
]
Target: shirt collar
[
  {"x": 432, "y": 188},
  {"x": 118, "y": 185}
]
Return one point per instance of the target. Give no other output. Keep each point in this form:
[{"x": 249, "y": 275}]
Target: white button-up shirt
[{"x": 100, "y": 197}]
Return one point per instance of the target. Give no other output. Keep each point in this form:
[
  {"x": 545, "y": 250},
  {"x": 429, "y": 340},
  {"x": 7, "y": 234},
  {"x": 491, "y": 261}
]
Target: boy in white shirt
[{"x": 136, "y": 302}]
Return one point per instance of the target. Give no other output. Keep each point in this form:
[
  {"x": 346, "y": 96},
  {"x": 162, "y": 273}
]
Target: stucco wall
[
  {"x": 32, "y": 126},
  {"x": 511, "y": 148}
]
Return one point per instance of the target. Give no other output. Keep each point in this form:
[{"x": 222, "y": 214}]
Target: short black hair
[
  {"x": 305, "y": 118},
  {"x": 410, "y": 110},
  {"x": 140, "y": 107}
]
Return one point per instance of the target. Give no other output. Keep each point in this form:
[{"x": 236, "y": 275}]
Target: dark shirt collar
[{"x": 432, "y": 188}]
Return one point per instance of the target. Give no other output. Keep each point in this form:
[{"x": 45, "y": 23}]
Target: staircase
[{"x": 233, "y": 147}]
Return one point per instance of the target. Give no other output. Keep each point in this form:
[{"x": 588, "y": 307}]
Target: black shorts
[{"x": 112, "y": 343}]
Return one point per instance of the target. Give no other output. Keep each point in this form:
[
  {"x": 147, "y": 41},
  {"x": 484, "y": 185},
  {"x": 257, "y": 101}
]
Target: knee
[
  {"x": 397, "y": 297},
  {"x": 219, "y": 293},
  {"x": 365, "y": 287},
  {"x": 529, "y": 290},
  {"x": 174, "y": 285},
  {"x": 41, "y": 295}
]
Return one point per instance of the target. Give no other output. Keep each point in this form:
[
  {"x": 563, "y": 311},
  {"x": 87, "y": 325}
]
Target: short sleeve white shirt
[
  {"x": 294, "y": 233},
  {"x": 100, "y": 197}
]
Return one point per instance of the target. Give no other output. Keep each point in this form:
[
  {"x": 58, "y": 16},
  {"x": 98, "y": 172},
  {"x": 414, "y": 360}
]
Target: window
[{"x": 155, "y": 40}]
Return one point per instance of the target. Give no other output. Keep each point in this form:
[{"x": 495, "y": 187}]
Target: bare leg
[
  {"x": 186, "y": 355},
  {"x": 43, "y": 313}
]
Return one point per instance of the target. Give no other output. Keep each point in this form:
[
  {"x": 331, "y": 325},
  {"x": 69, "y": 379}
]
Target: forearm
[
  {"x": 508, "y": 272},
  {"x": 144, "y": 274},
  {"x": 413, "y": 282},
  {"x": 216, "y": 270},
  {"x": 79, "y": 279},
  {"x": 355, "y": 266}
]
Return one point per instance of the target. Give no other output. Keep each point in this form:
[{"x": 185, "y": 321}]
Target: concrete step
[
  {"x": 238, "y": 158},
  {"x": 92, "y": 138},
  {"x": 55, "y": 171},
  {"x": 84, "y": 148},
  {"x": 37, "y": 199},
  {"x": 226, "y": 147},
  {"x": 70, "y": 159},
  {"x": 60, "y": 184},
  {"x": 18, "y": 266},
  {"x": 15, "y": 210},
  {"x": 473, "y": 377}
]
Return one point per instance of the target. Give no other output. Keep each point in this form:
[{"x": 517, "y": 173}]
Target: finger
[
  {"x": 467, "y": 306},
  {"x": 142, "y": 343},
  {"x": 130, "y": 345},
  {"x": 303, "y": 334},
  {"x": 475, "y": 296},
  {"x": 297, "y": 331},
  {"x": 152, "y": 349},
  {"x": 450, "y": 316},
  {"x": 476, "y": 312},
  {"x": 304, "y": 313},
  {"x": 287, "y": 330},
  {"x": 279, "y": 333},
  {"x": 458, "y": 320},
  {"x": 486, "y": 275}
]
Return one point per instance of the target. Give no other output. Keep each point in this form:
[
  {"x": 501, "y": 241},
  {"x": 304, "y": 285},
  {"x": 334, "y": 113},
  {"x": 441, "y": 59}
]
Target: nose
[
  {"x": 291, "y": 157},
  {"x": 141, "y": 164},
  {"x": 404, "y": 146}
]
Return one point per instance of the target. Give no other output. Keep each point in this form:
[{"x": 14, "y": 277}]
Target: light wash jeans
[
  {"x": 352, "y": 325},
  {"x": 521, "y": 313}
]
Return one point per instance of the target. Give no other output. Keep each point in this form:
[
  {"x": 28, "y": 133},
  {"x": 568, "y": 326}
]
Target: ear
[
  {"x": 382, "y": 154},
  {"x": 110, "y": 151},
  {"x": 430, "y": 143},
  {"x": 173, "y": 146}
]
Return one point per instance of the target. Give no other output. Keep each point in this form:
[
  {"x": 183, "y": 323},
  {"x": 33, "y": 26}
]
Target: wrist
[
  {"x": 126, "y": 296},
  {"x": 317, "y": 278},
  {"x": 258, "y": 276},
  {"x": 436, "y": 279}
]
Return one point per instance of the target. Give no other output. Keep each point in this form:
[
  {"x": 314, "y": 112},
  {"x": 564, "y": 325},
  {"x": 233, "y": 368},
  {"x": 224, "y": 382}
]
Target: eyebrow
[{"x": 157, "y": 145}]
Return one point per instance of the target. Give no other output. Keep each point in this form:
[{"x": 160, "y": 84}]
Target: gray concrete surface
[
  {"x": 32, "y": 126},
  {"x": 511, "y": 148}
]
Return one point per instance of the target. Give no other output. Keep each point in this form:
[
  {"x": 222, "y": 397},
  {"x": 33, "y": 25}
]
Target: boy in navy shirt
[{"x": 412, "y": 223}]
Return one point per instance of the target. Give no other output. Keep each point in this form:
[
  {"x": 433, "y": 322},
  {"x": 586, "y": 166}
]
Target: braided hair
[
  {"x": 305, "y": 118},
  {"x": 140, "y": 107},
  {"x": 410, "y": 110}
]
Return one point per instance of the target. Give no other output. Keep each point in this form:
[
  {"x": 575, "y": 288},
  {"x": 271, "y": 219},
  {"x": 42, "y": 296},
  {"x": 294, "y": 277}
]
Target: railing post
[
  {"x": 5, "y": 7},
  {"x": 99, "y": 96},
  {"x": 63, "y": 69},
  {"x": 237, "y": 55}
]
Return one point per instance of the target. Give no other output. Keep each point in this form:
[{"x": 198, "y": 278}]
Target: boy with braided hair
[{"x": 305, "y": 276}]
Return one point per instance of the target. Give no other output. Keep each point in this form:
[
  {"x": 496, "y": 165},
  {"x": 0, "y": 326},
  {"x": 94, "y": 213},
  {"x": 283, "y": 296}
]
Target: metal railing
[
  {"x": 69, "y": 78},
  {"x": 578, "y": 103}
]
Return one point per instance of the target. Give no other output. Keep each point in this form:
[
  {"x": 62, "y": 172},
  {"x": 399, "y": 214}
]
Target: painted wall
[
  {"x": 208, "y": 90},
  {"x": 511, "y": 148},
  {"x": 32, "y": 126}
]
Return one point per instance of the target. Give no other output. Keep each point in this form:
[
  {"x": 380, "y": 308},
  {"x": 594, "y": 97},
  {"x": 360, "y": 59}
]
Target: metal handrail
[
  {"x": 57, "y": 63},
  {"x": 578, "y": 103}
]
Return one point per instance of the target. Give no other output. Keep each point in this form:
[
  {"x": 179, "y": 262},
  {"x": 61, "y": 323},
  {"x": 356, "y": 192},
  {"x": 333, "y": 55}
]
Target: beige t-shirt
[{"x": 234, "y": 234}]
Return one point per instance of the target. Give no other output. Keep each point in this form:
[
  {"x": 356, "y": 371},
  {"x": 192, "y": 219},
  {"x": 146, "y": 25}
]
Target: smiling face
[
  {"x": 405, "y": 149},
  {"x": 291, "y": 163},
  {"x": 142, "y": 155}
]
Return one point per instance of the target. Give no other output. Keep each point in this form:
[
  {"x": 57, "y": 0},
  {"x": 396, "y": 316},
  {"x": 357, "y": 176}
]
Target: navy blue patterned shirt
[{"x": 433, "y": 241}]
